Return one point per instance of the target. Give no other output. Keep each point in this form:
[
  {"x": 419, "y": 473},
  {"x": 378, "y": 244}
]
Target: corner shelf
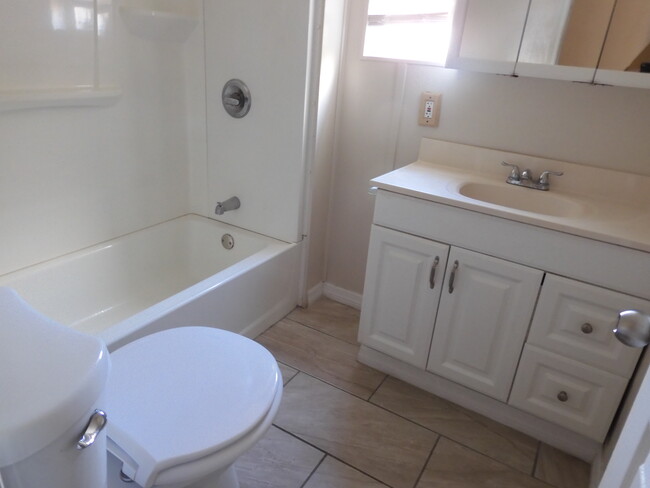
[
  {"x": 63, "y": 97},
  {"x": 159, "y": 25}
]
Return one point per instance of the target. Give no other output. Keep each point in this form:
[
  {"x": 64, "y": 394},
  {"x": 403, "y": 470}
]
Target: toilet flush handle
[{"x": 95, "y": 425}]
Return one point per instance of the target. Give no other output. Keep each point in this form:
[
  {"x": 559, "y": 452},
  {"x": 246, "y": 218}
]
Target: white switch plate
[{"x": 429, "y": 111}]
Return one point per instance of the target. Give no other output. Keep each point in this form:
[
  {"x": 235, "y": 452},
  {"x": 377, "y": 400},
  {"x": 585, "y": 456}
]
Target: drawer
[
  {"x": 576, "y": 320},
  {"x": 567, "y": 392}
]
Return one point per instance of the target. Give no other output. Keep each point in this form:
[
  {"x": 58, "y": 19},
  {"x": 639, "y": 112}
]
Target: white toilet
[{"x": 182, "y": 405}]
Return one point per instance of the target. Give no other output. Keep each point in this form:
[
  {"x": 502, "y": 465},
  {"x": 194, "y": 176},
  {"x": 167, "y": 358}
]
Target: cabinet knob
[
  {"x": 586, "y": 328},
  {"x": 563, "y": 396}
]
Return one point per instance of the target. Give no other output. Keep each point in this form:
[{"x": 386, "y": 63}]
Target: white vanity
[{"x": 502, "y": 298}]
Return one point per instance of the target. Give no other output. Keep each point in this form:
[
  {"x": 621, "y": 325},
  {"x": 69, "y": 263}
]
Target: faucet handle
[
  {"x": 515, "y": 173},
  {"x": 543, "y": 178}
]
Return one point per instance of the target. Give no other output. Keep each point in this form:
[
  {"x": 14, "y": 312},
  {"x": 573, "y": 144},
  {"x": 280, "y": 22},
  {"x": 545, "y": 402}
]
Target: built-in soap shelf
[
  {"x": 159, "y": 24},
  {"x": 83, "y": 96}
]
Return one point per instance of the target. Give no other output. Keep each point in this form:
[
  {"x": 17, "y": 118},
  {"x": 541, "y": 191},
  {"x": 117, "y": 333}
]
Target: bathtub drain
[{"x": 227, "y": 241}]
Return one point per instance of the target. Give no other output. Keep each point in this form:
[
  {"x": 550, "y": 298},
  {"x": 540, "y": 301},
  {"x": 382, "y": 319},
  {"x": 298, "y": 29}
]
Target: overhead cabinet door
[
  {"x": 403, "y": 282},
  {"x": 485, "y": 310}
]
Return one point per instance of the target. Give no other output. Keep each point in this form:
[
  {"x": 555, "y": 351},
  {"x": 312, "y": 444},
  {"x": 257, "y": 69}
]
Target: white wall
[
  {"x": 321, "y": 170},
  {"x": 377, "y": 130},
  {"x": 71, "y": 177}
]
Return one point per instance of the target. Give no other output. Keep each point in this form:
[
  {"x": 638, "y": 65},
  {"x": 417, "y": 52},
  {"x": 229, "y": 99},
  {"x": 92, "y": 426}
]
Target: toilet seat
[{"x": 184, "y": 395}]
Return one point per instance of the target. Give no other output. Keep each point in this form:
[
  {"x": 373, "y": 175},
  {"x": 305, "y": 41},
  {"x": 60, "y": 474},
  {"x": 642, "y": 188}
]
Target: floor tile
[
  {"x": 334, "y": 474},
  {"x": 456, "y": 466},
  {"x": 330, "y": 317},
  {"x": 287, "y": 372},
  {"x": 560, "y": 469},
  {"x": 468, "y": 428},
  {"x": 360, "y": 434},
  {"x": 322, "y": 356},
  {"x": 278, "y": 460}
]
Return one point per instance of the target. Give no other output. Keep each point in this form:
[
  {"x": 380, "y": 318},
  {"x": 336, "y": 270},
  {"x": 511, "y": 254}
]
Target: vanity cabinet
[
  {"x": 482, "y": 321},
  {"x": 480, "y": 301}
]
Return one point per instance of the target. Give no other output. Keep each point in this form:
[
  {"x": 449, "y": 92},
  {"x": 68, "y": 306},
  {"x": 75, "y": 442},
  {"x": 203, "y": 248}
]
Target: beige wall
[
  {"x": 628, "y": 35},
  {"x": 377, "y": 130},
  {"x": 585, "y": 32}
]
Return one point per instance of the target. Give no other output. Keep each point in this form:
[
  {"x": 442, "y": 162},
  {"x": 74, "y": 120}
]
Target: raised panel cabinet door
[
  {"x": 485, "y": 310},
  {"x": 401, "y": 293}
]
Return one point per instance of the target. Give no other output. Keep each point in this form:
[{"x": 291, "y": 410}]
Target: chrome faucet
[
  {"x": 525, "y": 178},
  {"x": 232, "y": 203}
]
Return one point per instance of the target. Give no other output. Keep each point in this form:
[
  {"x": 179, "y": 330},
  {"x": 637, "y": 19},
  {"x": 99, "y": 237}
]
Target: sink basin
[{"x": 519, "y": 198}]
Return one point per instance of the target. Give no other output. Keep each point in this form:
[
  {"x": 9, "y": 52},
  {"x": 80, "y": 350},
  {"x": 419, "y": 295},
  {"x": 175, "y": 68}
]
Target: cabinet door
[
  {"x": 483, "y": 321},
  {"x": 401, "y": 293}
]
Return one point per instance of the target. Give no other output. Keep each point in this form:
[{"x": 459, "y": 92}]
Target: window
[{"x": 415, "y": 30}]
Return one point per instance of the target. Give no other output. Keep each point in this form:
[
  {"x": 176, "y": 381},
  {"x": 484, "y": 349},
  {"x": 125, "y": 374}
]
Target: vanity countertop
[{"x": 595, "y": 203}]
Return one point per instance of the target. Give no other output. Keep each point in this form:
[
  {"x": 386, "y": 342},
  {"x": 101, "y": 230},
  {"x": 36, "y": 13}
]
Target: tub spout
[{"x": 232, "y": 203}]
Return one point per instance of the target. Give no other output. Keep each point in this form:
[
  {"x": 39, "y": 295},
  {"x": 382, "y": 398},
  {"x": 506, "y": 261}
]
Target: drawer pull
[
  {"x": 563, "y": 396},
  {"x": 432, "y": 275},
  {"x": 452, "y": 277},
  {"x": 586, "y": 328}
]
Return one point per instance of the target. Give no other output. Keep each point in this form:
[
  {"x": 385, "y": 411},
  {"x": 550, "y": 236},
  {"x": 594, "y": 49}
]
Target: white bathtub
[{"x": 173, "y": 274}]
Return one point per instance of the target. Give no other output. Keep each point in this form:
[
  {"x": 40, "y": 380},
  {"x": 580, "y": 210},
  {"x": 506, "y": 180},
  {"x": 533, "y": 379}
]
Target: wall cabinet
[
  {"x": 603, "y": 42},
  {"x": 527, "y": 337}
]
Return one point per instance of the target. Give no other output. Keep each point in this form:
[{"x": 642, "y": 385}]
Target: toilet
[{"x": 182, "y": 405}]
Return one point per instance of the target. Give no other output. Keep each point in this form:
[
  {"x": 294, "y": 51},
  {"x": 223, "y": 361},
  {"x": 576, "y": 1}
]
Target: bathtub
[{"x": 173, "y": 274}]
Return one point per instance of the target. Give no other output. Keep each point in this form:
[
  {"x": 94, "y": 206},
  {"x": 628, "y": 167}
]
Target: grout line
[
  {"x": 376, "y": 389},
  {"x": 426, "y": 463},
  {"x": 321, "y": 331},
  {"x": 537, "y": 454},
  {"x": 313, "y": 471},
  {"x": 326, "y": 454}
]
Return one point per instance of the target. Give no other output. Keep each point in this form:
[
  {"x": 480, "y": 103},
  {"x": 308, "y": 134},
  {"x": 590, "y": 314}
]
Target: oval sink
[{"x": 526, "y": 199}]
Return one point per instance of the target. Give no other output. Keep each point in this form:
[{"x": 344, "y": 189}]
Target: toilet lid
[{"x": 182, "y": 394}]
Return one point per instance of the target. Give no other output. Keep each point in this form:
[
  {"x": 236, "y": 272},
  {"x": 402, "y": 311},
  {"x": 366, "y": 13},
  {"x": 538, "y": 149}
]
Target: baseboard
[
  {"x": 342, "y": 295},
  {"x": 315, "y": 292}
]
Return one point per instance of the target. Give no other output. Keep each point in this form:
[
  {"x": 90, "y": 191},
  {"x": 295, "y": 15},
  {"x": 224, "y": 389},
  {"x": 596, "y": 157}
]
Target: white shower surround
[{"x": 169, "y": 275}]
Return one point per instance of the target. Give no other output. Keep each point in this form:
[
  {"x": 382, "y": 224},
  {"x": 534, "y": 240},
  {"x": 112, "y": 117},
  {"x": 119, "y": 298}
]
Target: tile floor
[{"x": 345, "y": 425}]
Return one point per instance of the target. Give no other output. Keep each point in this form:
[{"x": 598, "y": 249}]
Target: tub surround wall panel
[
  {"x": 259, "y": 158},
  {"x": 594, "y": 125},
  {"x": 72, "y": 177}
]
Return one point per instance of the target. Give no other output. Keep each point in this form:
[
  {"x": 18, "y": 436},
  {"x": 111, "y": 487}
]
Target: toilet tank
[{"x": 52, "y": 380}]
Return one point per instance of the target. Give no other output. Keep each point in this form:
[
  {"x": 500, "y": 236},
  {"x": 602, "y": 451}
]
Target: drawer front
[
  {"x": 567, "y": 392},
  {"x": 576, "y": 320}
]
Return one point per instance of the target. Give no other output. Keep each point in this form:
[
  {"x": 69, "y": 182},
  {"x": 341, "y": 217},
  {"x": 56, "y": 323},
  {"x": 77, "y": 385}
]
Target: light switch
[{"x": 429, "y": 112}]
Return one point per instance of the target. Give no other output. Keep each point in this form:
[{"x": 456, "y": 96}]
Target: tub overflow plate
[{"x": 227, "y": 241}]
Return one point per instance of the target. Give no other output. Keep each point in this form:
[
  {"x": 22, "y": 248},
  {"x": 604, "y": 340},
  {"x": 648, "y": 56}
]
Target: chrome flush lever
[{"x": 95, "y": 425}]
